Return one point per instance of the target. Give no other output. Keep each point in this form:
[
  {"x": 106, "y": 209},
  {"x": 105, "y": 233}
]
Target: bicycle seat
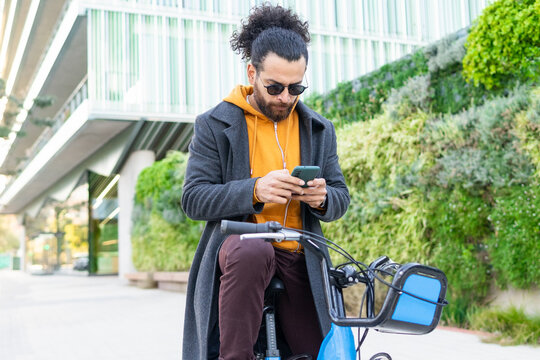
[{"x": 275, "y": 287}]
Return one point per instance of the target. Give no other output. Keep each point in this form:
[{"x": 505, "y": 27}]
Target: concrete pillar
[
  {"x": 22, "y": 241},
  {"x": 136, "y": 162}
]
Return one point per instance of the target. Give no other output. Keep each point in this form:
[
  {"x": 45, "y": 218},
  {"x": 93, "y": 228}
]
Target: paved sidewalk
[
  {"x": 64, "y": 317},
  {"x": 86, "y": 318}
]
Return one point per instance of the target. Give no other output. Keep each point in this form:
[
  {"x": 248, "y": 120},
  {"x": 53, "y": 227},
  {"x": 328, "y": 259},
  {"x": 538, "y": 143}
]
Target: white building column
[
  {"x": 21, "y": 253},
  {"x": 136, "y": 162}
]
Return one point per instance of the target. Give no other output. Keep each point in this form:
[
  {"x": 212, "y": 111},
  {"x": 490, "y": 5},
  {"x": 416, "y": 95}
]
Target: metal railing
[{"x": 72, "y": 103}]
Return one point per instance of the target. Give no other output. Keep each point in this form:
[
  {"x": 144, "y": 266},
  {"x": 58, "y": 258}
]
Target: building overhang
[
  {"x": 73, "y": 144},
  {"x": 91, "y": 140},
  {"x": 51, "y": 67}
]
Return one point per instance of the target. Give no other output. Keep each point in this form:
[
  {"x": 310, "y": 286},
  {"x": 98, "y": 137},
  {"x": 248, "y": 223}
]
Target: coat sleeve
[
  {"x": 205, "y": 195},
  {"x": 338, "y": 198}
]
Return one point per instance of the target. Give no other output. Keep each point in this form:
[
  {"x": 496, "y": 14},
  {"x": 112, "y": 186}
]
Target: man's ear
[{"x": 251, "y": 73}]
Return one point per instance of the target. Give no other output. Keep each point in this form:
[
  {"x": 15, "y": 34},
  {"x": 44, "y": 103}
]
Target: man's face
[{"x": 275, "y": 70}]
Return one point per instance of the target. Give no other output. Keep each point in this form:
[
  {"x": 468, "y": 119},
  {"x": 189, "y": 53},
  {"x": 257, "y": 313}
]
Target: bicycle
[{"x": 413, "y": 303}]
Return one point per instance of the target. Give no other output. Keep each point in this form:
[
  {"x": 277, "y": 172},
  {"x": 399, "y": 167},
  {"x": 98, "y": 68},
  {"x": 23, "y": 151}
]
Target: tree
[
  {"x": 13, "y": 107},
  {"x": 9, "y": 241}
]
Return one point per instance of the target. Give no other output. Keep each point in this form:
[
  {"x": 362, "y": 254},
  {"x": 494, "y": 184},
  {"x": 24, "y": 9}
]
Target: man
[{"x": 241, "y": 156}]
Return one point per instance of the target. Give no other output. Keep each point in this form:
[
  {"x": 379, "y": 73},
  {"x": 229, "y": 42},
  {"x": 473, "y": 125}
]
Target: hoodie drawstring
[{"x": 253, "y": 146}]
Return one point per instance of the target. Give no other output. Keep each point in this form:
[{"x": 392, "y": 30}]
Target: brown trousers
[{"x": 247, "y": 267}]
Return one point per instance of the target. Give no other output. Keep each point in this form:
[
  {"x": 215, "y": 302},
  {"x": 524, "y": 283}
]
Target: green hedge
[
  {"x": 504, "y": 44},
  {"x": 459, "y": 192},
  {"x": 509, "y": 326},
  {"x": 514, "y": 245},
  {"x": 163, "y": 237},
  {"x": 361, "y": 99}
]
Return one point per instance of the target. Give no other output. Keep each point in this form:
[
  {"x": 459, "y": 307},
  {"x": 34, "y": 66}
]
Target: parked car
[{"x": 80, "y": 263}]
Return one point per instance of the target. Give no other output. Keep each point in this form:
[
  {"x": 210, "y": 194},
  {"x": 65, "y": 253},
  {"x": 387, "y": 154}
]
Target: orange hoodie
[{"x": 267, "y": 139}]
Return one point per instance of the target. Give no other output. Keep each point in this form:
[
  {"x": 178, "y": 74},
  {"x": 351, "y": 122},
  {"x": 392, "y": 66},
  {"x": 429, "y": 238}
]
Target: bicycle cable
[{"x": 323, "y": 241}]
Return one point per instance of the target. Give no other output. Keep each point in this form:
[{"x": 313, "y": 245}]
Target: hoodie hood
[{"x": 238, "y": 97}]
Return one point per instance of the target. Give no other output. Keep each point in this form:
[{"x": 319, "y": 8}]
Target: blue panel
[{"x": 413, "y": 310}]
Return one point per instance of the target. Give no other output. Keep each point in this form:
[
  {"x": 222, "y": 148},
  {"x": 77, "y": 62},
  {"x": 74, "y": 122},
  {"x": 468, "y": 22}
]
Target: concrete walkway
[
  {"x": 86, "y": 318},
  {"x": 100, "y": 318}
]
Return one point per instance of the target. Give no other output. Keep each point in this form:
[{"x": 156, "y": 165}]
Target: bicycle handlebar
[
  {"x": 229, "y": 227},
  {"x": 412, "y": 305}
]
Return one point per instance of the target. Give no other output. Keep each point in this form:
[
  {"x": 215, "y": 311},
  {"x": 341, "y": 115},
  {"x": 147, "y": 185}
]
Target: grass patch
[{"x": 509, "y": 326}]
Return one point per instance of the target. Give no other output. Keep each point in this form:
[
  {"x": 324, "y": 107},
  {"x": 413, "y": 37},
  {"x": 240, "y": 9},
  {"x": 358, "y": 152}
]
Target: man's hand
[
  {"x": 314, "y": 194},
  {"x": 278, "y": 186}
]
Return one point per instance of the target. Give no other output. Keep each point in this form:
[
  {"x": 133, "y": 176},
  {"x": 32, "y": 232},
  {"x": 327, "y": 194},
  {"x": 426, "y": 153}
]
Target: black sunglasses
[{"x": 276, "y": 89}]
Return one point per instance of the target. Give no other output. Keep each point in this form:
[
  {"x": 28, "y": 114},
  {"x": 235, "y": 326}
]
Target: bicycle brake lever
[{"x": 345, "y": 276}]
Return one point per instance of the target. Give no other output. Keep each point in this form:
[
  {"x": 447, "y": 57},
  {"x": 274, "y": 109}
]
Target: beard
[{"x": 274, "y": 111}]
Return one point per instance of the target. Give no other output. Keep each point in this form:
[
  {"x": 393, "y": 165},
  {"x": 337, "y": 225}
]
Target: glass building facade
[
  {"x": 173, "y": 56},
  {"x": 103, "y": 226},
  {"x": 165, "y": 61}
]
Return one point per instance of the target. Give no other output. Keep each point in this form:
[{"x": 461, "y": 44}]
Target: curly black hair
[{"x": 271, "y": 28}]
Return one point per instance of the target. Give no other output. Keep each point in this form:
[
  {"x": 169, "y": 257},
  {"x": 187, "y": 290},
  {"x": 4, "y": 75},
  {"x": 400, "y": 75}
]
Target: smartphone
[{"x": 306, "y": 173}]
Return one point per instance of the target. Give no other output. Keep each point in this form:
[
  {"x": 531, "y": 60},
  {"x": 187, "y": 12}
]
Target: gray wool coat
[{"x": 218, "y": 186}]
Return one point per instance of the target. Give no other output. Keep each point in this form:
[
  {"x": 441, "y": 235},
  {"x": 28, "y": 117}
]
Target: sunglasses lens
[
  {"x": 275, "y": 89},
  {"x": 296, "y": 89}
]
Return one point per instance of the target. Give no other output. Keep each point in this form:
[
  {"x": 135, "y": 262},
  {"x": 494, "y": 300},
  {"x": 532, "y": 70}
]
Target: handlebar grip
[{"x": 238, "y": 227}]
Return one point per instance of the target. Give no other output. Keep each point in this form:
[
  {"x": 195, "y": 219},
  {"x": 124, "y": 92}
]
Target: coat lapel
[
  {"x": 309, "y": 126},
  {"x": 236, "y": 132}
]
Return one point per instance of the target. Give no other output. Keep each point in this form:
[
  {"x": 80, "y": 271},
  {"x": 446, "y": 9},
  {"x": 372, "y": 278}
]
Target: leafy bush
[
  {"x": 504, "y": 43},
  {"x": 457, "y": 228},
  {"x": 511, "y": 326},
  {"x": 478, "y": 148},
  {"x": 438, "y": 174},
  {"x": 527, "y": 129},
  {"x": 159, "y": 245},
  {"x": 163, "y": 237},
  {"x": 444, "y": 54},
  {"x": 415, "y": 95},
  {"x": 452, "y": 94},
  {"x": 427, "y": 188},
  {"x": 514, "y": 246},
  {"x": 361, "y": 99}
]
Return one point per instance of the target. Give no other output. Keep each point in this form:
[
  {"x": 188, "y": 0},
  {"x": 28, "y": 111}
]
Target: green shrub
[
  {"x": 398, "y": 231},
  {"x": 361, "y": 99},
  {"x": 159, "y": 245},
  {"x": 424, "y": 188},
  {"x": 511, "y": 326},
  {"x": 478, "y": 148},
  {"x": 163, "y": 237},
  {"x": 438, "y": 170},
  {"x": 452, "y": 94},
  {"x": 414, "y": 95},
  {"x": 527, "y": 129},
  {"x": 385, "y": 152},
  {"x": 382, "y": 162},
  {"x": 514, "y": 246},
  {"x": 457, "y": 228},
  {"x": 444, "y": 54},
  {"x": 504, "y": 44}
]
